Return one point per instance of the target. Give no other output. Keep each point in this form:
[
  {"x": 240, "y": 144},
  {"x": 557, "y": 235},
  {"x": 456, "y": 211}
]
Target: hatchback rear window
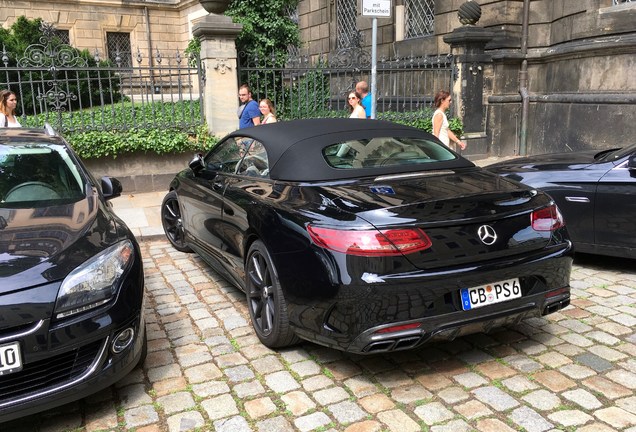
[{"x": 385, "y": 151}]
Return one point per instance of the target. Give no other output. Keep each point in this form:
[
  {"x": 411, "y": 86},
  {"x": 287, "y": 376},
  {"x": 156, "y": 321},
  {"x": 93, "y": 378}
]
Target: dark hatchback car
[
  {"x": 367, "y": 236},
  {"x": 595, "y": 190},
  {"x": 71, "y": 278}
]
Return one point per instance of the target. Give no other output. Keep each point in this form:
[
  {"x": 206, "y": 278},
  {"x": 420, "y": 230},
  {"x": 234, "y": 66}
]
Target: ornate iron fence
[
  {"x": 77, "y": 91},
  {"x": 301, "y": 87}
]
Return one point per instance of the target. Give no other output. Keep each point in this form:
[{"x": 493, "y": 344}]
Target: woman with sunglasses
[{"x": 355, "y": 107}]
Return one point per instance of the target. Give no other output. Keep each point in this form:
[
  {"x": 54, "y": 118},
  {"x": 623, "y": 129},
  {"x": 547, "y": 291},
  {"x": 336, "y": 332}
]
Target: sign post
[{"x": 376, "y": 9}]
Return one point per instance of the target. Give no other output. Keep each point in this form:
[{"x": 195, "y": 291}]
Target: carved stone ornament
[
  {"x": 215, "y": 6},
  {"x": 469, "y": 13},
  {"x": 221, "y": 66}
]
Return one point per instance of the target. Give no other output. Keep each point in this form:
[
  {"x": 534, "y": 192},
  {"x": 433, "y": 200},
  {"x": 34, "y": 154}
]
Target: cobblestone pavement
[{"x": 206, "y": 370}]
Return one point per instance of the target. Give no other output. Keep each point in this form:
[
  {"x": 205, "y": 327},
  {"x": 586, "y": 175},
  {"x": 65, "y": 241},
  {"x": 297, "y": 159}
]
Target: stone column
[
  {"x": 219, "y": 60},
  {"x": 468, "y": 47}
]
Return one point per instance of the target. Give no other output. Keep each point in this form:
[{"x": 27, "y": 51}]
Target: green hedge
[
  {"x": 118, "y": 138},
  {"x": 113, "y": 130},
  {"x": 95, "y": 144}
]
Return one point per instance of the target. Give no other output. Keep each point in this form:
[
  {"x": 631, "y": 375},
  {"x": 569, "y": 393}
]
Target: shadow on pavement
[{"x": 625, "y": 265}]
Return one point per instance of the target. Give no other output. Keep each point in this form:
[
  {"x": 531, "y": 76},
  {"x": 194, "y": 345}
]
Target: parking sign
[{"x": 376, "y": 8}]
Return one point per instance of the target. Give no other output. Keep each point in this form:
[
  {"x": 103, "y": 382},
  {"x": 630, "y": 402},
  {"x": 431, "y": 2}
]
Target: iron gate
[
  {"x": 76, "y": 91},
  {"x": 304, "y": 87}
]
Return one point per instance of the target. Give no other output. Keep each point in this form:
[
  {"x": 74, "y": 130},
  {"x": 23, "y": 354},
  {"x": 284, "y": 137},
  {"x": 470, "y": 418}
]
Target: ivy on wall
[{"x": 268, "y": 29}]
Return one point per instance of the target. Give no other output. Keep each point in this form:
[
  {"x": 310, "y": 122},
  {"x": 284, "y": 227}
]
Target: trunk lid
[{"x": 459, "y": 211}]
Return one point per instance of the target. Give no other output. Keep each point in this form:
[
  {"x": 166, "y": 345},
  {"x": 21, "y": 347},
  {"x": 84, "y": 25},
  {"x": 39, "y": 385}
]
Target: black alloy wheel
[
  {"x": 172, "y": 223},
  {"x": 265, "y": 300}
]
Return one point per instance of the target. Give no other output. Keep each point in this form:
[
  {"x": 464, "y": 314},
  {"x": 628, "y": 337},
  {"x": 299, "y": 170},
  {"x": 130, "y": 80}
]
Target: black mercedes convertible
[{"x": 367, "y": 236}]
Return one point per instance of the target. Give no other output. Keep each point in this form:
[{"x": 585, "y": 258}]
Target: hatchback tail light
[
  {"x": 390, "y": 242},
  {"x": 547, "y": 219}
]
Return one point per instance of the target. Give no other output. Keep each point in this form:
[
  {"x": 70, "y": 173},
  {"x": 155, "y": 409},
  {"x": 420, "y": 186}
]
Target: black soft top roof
[{"x": 294, "y": 148}]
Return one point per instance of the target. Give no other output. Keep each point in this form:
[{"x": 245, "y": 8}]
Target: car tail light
[
  {"x": 398, "y": 328},
  {"x": 557, "y": 292},
  {"x": 390, "y": 242},
  {"x": 547, "y": 219}
]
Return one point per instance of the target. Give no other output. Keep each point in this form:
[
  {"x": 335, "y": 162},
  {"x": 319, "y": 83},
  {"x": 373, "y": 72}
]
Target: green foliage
[
  {"x": 422, "y": 119},
  {"x": 127, "y": 127},
  {"x": 20, "y": 35},
  {"x": 95, "y": 144},
  {"x": 455, "y": 124},
  {"x": 307, "y": 97},
  {"x": 267, "y": 28},
  {"x": 123, "y": 116},
  {"x": 268, "y": 32},
  {"x": 32, "y": 87},
  {"x": 193, "y": 51}
]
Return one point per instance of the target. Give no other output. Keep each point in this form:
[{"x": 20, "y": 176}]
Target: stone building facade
[
  {"x": 579, "y": 54},
  {"x": 127, "y": 27},
  {"x": 580, "y": 58}
]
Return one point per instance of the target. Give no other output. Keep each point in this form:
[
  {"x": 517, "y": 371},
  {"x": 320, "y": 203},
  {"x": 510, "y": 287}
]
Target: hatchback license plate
[
  {"x": 492, "y": 293},
  {"x": 10, "y": 358}
]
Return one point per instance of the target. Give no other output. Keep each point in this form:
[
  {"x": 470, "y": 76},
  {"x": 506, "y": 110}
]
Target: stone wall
[
  {"x": 140, "y": 172},
  {"x": 582, "y": 93},
  {"x": 580, "y": 64}
]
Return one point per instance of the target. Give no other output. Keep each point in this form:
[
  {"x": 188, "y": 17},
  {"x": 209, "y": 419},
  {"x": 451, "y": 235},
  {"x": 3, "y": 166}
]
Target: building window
[
  {"x": 292, "y": 13},
  {"x": 419, "y": 18},
  {"x": 62, "y": 35},
  {"x": 118, "y": 46},
  {"x": 347, "y": 34}
]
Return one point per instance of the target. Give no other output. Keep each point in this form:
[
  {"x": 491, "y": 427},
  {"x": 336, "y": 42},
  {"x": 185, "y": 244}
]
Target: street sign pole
[
  {"x": 375, "y": 9},
  {"x": 374, "y": 64}
]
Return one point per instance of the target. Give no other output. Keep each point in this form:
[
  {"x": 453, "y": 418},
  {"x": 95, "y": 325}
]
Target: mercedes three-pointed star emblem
[{"x": 487, "y": 235}]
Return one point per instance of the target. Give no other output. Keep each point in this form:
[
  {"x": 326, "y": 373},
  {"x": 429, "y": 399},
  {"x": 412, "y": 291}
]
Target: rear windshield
[
  {"x": 385, "y": 151},
  {"x": 38, "y": 175}
]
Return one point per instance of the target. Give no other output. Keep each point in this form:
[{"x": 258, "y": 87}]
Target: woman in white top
[
  {"x": 355, "y": 107},
  {"x": 8, "y": 102},
  {"x": 267, "y": 109},
  {"x": 440, "y": 121}
]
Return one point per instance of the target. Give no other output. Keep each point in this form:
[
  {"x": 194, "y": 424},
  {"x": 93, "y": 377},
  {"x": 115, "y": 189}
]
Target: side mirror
[
  {"x": 631, "y": 162},
  {"x": 197, "y": 164},
  {"x": 111, "y": 187}
]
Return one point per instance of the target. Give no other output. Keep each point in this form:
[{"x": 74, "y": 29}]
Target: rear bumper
[
  {"x": 429, "y": 304},
  {"x": 454, "y": 325}
]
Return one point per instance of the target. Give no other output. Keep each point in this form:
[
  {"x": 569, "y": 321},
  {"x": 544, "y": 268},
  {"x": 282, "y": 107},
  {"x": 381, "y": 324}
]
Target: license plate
[
  {"x": 492, "y": 293},
  {"x": 10, "y": 358}
]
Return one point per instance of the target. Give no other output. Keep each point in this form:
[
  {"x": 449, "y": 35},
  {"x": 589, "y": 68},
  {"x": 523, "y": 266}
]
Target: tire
[
  {"x": 265, "y": 299},
  {"x": 172, "y": 223}
]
